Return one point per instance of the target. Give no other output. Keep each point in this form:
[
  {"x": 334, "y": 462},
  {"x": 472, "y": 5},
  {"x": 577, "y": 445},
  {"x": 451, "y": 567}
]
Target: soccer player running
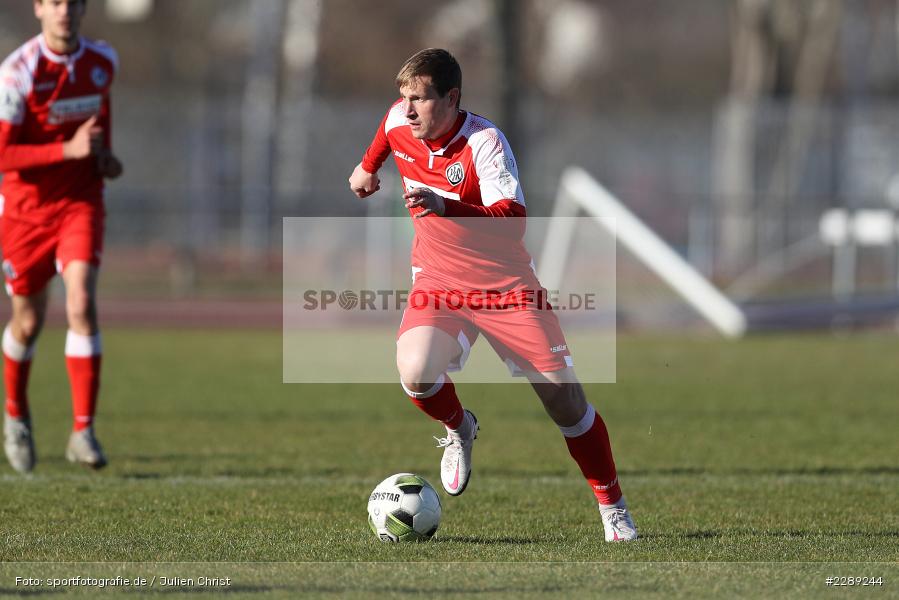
[
  {"x": 454, "y": 165},
  {"x": 55, "y": 151}
]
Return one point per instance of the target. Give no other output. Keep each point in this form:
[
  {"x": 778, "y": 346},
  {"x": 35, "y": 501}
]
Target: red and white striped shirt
[
  {"x": 472, "y": 167},
  {"x": 44, "y": 98}
]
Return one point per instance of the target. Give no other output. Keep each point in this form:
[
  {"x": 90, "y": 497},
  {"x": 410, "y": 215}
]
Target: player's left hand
[
  {"x": 432, "y": 202},
  {"x": 109, "y": 166}
]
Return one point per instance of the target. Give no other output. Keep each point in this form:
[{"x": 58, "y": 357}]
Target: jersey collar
[
  {"x": 438, "y": 146},
  {"x": 61, "y": 58}
]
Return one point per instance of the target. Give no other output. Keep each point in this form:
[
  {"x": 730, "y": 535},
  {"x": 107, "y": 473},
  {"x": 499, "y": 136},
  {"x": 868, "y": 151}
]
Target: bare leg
[
  {"x": 584, "y": 430},
  {"x": 422, "y": 356}
]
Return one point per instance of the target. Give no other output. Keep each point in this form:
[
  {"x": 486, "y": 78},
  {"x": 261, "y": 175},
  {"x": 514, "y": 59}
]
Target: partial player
[
  {"x": 462, "y": 190},
  {"x": 55, "y": 152}
]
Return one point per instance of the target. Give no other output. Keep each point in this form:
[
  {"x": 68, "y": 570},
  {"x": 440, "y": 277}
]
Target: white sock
[
  {"x": 465, "y": 429},
  {"x": 78, "y": 345},
  {"x": 620, "y": 504},
  {"x": 438, "y": 385},
  {"x": 582, "y": 426},
  {"x": 15, "y": 349}
]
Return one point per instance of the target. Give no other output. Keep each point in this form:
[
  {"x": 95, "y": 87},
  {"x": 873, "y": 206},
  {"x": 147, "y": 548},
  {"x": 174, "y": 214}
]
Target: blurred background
[{"x": 759, "y": 139}]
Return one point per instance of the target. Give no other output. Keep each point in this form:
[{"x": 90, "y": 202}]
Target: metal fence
[{"x": 183, "y": 187}]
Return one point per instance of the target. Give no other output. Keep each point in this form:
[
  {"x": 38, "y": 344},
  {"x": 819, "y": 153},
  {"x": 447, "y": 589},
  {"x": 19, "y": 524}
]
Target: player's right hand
[
  {"x": 363, "y": 183},
  {"x": 87, "y": 141}
]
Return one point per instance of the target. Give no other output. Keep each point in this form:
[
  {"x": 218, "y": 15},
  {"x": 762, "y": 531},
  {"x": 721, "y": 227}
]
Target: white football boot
[
  {"x": 617, "y": 522},
  {"x": 19, "y": 444},
  {"x": 84, "y": 449},
  {"x": 455, "y": 468}
]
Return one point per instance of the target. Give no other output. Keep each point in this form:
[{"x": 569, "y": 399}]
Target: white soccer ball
[{"x": 404, "y": 508}]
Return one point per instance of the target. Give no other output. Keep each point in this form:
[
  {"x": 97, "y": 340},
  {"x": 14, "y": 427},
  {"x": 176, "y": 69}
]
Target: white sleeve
[
  {"x": 109, "y": 52},
  {"x": 12, "y": 98},
  {"x": 114, "y": 57},
  {"x": 496, "y": 167}
]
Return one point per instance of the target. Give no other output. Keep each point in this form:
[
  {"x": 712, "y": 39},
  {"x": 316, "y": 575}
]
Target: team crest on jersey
[
  {"x": 455, "y": 173},
  {"x": 100, "y": 77}
]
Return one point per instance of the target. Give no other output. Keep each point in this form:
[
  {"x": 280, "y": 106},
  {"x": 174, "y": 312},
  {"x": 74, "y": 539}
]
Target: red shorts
[
  {"x": 33, "y": 254},
  {"x": 519, "y": 324}
]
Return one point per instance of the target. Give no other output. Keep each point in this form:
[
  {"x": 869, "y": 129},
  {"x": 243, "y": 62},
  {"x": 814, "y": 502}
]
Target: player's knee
[
  {"x": 415, "y": 373},
  {"x": 576, "y": 394},
  {"x": 563, "y": 402},
  {"x": 564, "y": 393},
  {"x": 29, "y": 324},
  {"x": 80, "y": 306},
  {"x": 572, "y": 397}
]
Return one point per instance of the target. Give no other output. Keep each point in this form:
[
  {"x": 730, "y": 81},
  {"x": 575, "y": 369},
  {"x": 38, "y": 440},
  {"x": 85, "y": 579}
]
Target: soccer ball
[{"x": 404, "y": 508}]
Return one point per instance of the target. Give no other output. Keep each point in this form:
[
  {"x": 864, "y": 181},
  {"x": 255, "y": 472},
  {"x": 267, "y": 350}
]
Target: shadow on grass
[
  {"x": 826, "y": 471},
  {"x": 657, "y": 472},
  {"x": 784, "y": 533},
  {"x": 791, "y": 533},
  {"x": 144, "y": 476},
  {"x": 523, "y": 473},
  {"x": 477, "y": 539},
  {"x": 250, "y": 472},
  {"x": 703, "y": 535},
  {"x": 812, "y": 471},
  {"x": 164, "y": 458}
]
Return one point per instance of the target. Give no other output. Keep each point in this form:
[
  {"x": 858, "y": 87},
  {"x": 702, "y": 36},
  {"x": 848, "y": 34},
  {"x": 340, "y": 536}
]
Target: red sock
[
  {"x": 83, "y": 358},
  {"x": 588, "y": 444},
  {"x": 84, "y": 379},
  {"x": 440, "y": 402},
  {"x": 15, "y": 377},
  {"x": 16, "y": 368}
]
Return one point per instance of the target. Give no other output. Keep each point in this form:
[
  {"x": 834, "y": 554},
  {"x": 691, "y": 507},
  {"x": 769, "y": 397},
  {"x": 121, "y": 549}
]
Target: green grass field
[{"x": 753, "y": 469}]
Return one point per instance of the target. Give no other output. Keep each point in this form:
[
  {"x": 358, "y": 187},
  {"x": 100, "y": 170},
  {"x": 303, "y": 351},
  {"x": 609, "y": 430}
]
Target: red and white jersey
[
  {"x": 472, "y": 167},
  {"x": 44, "y": 97}
]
